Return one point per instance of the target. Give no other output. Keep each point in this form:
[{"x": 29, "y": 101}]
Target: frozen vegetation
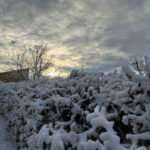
[
  {"x": 86, "y": 111},
  {"x": 6, "y": 141}
]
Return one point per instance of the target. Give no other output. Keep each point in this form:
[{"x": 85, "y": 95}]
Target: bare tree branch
[{"x": 36, "y": 59}]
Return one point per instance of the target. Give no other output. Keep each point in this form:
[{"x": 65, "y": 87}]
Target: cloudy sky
[{"x": 98, "y": 35}]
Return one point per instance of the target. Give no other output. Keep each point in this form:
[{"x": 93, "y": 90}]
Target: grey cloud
[
  {"x": 25, "y": 5},
  {"x": 98, "y": 61},
  {"x": 86, "y": 28},
  {"x": 135, "y": 44}
]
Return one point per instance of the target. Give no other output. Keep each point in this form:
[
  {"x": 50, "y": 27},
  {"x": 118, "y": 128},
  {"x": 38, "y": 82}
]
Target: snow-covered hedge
[{"x": 86, "y": 111}]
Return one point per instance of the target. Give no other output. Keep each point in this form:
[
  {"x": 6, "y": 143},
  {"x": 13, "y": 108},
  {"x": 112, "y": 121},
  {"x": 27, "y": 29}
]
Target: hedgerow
[{"x": 86, "y": 111}]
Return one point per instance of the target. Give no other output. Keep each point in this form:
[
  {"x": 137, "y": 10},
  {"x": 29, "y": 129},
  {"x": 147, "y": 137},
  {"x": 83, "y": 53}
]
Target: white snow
[
  {"x": 85, "y": 111},
  {"x": 6, "y": 143}
]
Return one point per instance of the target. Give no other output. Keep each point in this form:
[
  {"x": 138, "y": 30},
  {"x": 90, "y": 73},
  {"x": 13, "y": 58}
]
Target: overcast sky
[{"x": 93, "y": 34}]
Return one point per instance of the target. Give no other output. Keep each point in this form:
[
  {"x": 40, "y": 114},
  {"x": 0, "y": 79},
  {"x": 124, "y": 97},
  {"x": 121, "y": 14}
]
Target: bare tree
[
  {"x": 38, "y": 61},
  {"x": 35, "y": 58}
]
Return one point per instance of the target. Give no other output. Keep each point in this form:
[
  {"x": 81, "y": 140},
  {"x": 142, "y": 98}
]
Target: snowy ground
[{"x": 6, "y": 143}]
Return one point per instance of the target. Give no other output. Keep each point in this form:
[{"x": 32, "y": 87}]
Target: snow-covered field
[{"x": 86, "y": 111}]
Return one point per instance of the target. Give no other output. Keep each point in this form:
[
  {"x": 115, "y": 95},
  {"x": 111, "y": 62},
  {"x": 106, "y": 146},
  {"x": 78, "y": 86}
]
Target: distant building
[{"x": 15, "y": 75}]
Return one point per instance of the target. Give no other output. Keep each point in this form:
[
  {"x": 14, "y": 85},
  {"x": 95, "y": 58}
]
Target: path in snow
[{"x": 6, "y": 143}]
